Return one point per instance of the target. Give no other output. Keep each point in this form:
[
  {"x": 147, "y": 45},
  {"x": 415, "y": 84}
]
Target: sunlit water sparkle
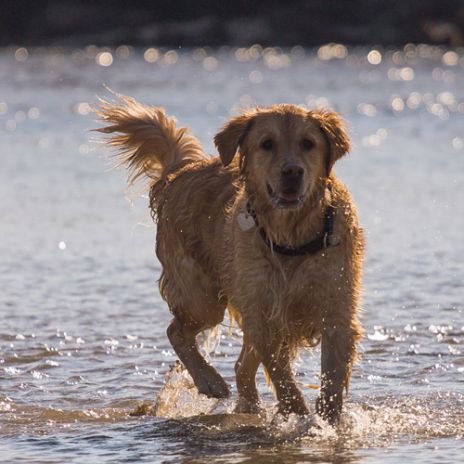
[{"x": 82, "y": 340}]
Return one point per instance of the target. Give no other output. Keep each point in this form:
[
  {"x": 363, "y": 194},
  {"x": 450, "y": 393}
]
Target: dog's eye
[
  {"x": 267, "y": 144},
  {"x": 307, "y": 144}
]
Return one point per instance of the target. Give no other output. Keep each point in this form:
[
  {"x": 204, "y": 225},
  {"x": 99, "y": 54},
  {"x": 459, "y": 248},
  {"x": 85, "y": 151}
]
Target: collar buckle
[{"x": 325, "y": 240}]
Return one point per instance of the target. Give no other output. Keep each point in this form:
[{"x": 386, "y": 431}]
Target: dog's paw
[
  {"x": 244, "y": 406},
  {"x": 211, "y": 384},
  {"x": 296, "y": 407},
  {"x": 329, "y": 408}
]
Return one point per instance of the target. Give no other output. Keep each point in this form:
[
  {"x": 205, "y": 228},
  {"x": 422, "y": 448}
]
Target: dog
[{"x": 264, "y": 230}]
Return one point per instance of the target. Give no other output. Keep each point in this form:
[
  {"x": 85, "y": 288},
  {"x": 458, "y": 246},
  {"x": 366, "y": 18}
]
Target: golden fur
[{"x": 212, "y": 262}]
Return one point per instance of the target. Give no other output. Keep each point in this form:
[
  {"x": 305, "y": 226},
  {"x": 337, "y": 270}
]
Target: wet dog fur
[{"x": 278, "y": 160}]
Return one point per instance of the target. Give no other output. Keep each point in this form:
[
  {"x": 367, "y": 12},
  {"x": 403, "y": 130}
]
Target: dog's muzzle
[
  {"x": 290, "y": 192},
  {"x": 288, "y": 198}
]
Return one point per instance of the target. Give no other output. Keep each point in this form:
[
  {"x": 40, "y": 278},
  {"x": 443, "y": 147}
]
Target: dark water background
[{"x": 82, "y": 334}]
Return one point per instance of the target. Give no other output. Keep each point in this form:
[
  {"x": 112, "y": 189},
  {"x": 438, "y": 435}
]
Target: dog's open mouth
[{"x": 287, "y": 198}]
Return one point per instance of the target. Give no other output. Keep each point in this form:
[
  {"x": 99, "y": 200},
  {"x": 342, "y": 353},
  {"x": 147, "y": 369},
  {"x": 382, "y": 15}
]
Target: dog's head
[{"x": 285, "y": 151}]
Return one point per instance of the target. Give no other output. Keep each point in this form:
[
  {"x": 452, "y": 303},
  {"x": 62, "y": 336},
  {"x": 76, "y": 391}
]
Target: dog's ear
[
  {"x": 333, "y": 127},
  {"x": 231, "y": 136}
]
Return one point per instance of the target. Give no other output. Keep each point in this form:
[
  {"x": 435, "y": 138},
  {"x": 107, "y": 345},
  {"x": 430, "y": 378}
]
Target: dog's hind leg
[
  {"x": 182, "y": 336},
  {"x": 245, "y": 370}
]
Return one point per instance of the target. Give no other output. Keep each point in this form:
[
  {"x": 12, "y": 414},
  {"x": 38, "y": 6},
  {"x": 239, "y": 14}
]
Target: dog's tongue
[{"x": 289, "y": 196}]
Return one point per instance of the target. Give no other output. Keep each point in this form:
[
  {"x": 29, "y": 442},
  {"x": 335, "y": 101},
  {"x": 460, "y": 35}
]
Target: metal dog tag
[{"x": 245, "y": 221}]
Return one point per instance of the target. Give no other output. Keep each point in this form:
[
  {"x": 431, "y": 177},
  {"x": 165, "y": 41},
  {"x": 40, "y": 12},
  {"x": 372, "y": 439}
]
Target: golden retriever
[{"x": 265, "y": 230}]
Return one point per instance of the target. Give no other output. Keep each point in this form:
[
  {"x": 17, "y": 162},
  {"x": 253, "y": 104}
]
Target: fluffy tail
[{"x": 148, "y": 142}]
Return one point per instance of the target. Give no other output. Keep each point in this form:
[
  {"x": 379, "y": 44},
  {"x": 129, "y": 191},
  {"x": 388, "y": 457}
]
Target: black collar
[{"x": 311, "y": 247}]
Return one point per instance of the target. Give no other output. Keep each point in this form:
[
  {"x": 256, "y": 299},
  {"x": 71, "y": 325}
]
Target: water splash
[
  {"x": 180, "y": 398},
  {"x": 372, "y": 421}
]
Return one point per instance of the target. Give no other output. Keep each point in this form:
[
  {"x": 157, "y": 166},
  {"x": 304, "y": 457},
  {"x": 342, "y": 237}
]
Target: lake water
[{"x": 82, "y": 334}]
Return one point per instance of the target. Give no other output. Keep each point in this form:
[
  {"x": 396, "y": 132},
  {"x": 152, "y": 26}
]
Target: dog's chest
[
  {"x": 296, "y": 286},
  {"x": 302, "y": 282}
]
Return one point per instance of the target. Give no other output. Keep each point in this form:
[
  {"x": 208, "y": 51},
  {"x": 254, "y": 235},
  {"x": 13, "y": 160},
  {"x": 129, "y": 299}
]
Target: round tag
[{"x": 245, "y": 221}]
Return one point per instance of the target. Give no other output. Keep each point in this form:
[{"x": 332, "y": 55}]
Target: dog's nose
[{"x": 292, "y": 171}]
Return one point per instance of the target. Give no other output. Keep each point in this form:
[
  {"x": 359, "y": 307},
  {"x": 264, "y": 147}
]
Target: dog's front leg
[
  {"x": 337, "y": 355},
  {"x": 245, "y": 370},
  {"x": 277, "y": 361}
]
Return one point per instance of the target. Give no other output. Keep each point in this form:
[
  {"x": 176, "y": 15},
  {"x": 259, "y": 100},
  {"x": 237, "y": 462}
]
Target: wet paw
[
  {"x": 211, "y": 384},
  {"x": 329, "y": 409},
  {"x": 296, "y": 407},
  {"x": 247, "y": 407}
]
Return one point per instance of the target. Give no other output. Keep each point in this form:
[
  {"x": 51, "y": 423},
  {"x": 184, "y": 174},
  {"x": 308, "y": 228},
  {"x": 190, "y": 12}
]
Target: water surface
[{"x": 82, "y": 339}]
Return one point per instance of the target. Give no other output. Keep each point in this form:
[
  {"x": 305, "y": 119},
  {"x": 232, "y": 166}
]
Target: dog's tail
[{"x": 148, "y": 142}]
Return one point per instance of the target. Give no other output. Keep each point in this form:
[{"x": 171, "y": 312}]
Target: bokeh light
[
  {"x": 21, "y": 54},
  {"x": 104, "y": 59},
  {"x": 374, "y": 57},
  {"x": 151, "y": 55}
]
